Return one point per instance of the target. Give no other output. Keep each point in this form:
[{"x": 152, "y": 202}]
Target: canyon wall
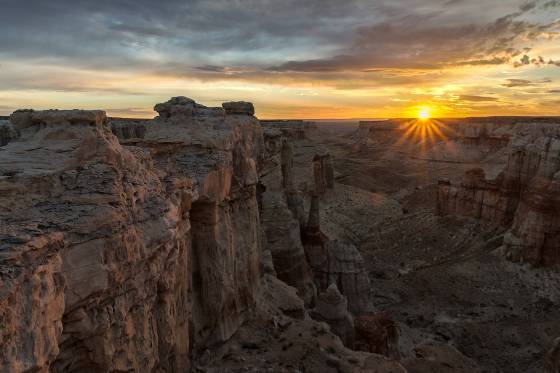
[
  {"x": 7, "y": 132},
  {"x": 119, "y": 258},
  {"x": 454, "y": 140},
  {"x": 524, "y": 197}
]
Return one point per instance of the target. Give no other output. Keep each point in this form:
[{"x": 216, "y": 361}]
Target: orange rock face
[{"x": 127, "y": 258}]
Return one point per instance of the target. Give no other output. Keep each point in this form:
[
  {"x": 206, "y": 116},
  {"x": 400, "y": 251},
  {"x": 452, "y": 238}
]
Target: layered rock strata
[
  {"x": 332, "y": 307},
  {"x": 7, "y": 132},
  {"x": 336, "y": 262},
  {"x": 273, "y": 141},
  {"x": 323, "y": 173},
  {"x": 282, "y": 231},
  {"x": 127, "y": 258},
  {"x": 282, "y": 219},
  {"x": 524, "y": 198},
  {"x": 128, "y": 129}
]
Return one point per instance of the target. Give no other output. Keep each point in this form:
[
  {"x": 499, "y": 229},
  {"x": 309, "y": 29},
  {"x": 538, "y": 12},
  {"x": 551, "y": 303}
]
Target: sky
[{"x": 291, "y": 58}]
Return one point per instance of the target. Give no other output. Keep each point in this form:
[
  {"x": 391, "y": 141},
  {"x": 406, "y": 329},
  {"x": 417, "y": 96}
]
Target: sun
[{"x": 424, "y": 114}]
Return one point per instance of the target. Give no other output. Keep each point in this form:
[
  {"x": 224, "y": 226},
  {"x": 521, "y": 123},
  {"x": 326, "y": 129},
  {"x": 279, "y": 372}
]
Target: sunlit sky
[{"x": 291, "y": 58}]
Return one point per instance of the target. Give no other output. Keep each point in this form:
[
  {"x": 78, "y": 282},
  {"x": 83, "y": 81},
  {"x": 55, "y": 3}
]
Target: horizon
[{"x": 313, "y": 60}]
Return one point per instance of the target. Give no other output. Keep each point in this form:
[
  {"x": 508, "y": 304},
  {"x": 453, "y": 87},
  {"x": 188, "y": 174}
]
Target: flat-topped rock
[
  {"x": 239, "y": 108},
  {"x": 183, "y": 107},
  {"x": 22, "y": 119}
]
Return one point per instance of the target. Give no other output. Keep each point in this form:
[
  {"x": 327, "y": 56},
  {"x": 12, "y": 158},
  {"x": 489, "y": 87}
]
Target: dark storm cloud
[
  {"x": 113, "y": 31},
  {"x": 252, "y": 39},
  {"x": 422, "y": 41}
]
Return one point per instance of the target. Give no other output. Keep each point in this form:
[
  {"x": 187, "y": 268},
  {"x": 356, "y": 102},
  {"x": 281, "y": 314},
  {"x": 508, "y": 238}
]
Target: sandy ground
[{"x": 441, "y": 278}]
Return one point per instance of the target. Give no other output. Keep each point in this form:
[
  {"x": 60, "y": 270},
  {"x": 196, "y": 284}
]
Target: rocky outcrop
[
  {"x": 282, "y": 231},
  {"x": 323, "y": 173},
  {"x": 524, "y": 198},
  {"x": 336, "y": 262},
  {"x": 239, "y": 108},
  {"x": 282, "y": 219},
  {"x": 477, "y": 197},
  {"x": 127, "y": 258},
  {"x": 332, "y": 308},
  {"x": 293, "y": 197},
  {"x": 7, "y": 132},
  {"x": 377, "y": 333},
  {"x": 128, "y": 129},
  {"x": 287, "y": 165},
  {"x": 345, "y": 267},
  {"x": 273, "y": 140}
]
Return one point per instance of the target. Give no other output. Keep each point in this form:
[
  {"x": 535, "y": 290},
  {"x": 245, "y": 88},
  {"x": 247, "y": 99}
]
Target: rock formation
[
  {"x": 282, "y": 232},
  {"x": 273, "y": 141},
  {"x": 524, "y": 198},
  {"x": 377, "y": 333},
  {"x": 345, "y": 267},
  {"x": 477, "y": 197},
  {"x": 7, "y": 132},
  {"x": 128, "y": 128},
  {"x": 332, "y": 307},
  {"x": 239, "y": 108},
  {"x": 282, "y": 219},
  {"x": 323, "y": 173},
  {"x": 336, "y": 262},
  {"x": 127, "y": 258},
  {"x": 287, "y": 164}
]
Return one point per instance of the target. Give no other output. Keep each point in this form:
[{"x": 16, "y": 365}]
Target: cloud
[
  {"x": 477, "y": 98},
  {"x": 512, "y": 83},
  {"x": 551, "y": 4},
  {"x": 485, "y": 62},
  {"x": 420, "y": 41}
]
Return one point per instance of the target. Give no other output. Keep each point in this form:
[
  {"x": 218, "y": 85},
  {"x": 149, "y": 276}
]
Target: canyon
[{"x": 205, "y": 240}]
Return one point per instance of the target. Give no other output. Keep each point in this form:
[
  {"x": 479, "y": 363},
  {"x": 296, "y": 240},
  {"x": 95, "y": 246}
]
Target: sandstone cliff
[
  {"x": 524, "y": 197},
  {"x": 127, "y": 258}
]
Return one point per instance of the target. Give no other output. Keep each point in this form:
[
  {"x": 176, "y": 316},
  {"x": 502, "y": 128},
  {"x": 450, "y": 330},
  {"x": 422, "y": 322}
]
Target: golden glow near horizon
[{"x": 424, "y": 114}]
